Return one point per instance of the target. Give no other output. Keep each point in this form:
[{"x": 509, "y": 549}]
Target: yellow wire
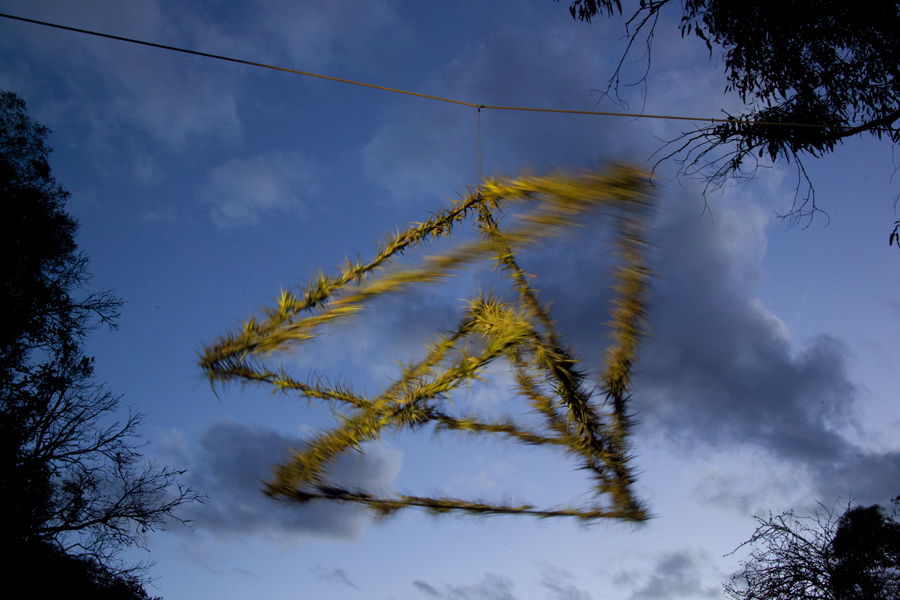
[{"x": 397, "y": 91}]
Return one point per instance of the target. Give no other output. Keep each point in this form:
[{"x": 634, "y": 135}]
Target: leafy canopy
[
  {"x": 520, "y": 332},
  {"x": 830, "y": 63}
]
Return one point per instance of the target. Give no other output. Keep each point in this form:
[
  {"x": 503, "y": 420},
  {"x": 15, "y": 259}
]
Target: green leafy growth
[{"x": 521, "y": 332}]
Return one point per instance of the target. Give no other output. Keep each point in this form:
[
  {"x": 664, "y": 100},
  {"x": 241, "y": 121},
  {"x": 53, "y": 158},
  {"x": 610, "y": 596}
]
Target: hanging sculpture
[{"x": 521, "y": 332}]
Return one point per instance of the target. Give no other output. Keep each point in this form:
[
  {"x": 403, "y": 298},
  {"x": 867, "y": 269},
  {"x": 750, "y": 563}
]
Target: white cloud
[
  {"x": 316, "y": 34},
  {"x": 242, "y": 190}
]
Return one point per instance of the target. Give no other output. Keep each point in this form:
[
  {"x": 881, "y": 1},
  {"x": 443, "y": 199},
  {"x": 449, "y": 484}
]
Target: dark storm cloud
[
  {"x": 719, "y": 369},
  {"x": 232, "y": 461},
  {"x": 675, "y": 574},
  {"x": 865, "y": 478}
]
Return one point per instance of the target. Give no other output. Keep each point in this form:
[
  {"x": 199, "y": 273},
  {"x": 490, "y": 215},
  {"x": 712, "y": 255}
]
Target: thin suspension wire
[
  {"x": 398, "y": 91},
  {"x": 479, "y": 146}
]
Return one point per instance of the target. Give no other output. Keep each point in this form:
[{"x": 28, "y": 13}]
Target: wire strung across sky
[{"x": 398, "y": 91}]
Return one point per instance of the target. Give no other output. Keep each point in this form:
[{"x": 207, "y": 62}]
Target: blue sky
[{"x": 202, "y": 188}]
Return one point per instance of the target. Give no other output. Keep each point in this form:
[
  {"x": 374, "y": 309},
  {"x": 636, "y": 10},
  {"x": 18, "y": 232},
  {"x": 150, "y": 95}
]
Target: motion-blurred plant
[{"x": 520, "y": 331}]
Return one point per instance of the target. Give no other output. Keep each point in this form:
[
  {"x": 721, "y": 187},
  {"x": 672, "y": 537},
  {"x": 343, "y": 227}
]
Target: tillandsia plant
[{"x": 593, "y": 431}]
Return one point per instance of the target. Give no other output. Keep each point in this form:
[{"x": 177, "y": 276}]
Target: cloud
[
  {"x": 431, "y": 148},
  {"x": 751, "y": 481},
  {"x": 721, "y": 371},
  {"x": 428, "y": 148},
  {"x": 559, "y": 584},
  {"x": 491, "y": 587},
  {"x": 159, "y": 93},
  {"x": 241, "y": 190},
  {"x": 424, "y": 587},
  {"x": 174, "y": 97},
  {"x": 316, "y": 35},
  {"x": 232, "y": 460},
  {"x": 674, "y": 574},
  {"x": 867, "y": 478},
  {"x": 338, "y": 577}
]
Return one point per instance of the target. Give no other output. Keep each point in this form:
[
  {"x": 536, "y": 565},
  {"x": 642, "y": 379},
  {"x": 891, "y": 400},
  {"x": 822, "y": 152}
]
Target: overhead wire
[
  {"x": 479, "y": 146},
  {"x": 400, "y": 91}
]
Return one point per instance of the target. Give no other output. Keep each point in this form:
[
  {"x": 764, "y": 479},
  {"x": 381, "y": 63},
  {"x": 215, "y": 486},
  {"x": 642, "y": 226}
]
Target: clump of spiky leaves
[{"x": 521, "y": 332}]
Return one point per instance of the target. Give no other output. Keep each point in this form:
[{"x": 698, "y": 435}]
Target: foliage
[
  {"x": 71, "y": 480},
  {"x": 866, "y": 551},
  {"x": 40, "y": 263},
  {"x": 830, "y": 63},
  {"x": 854, "y": 556},
  {"x": 44, "y": 571},
  {"x": 586, "y": 9},
  {"x": 520, "y": 331}
]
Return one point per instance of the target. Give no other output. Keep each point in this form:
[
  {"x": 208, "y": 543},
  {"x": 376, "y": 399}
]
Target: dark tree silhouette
[
  {"x": 41, "y": 570},
  {"x": 830, "y": 63},
  {"x": 866, "y": 551},
  {"x": 854, "y": 556},
  {"x": 74, "y": 489}
]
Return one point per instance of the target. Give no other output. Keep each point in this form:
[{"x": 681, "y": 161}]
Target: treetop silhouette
[
  {"x": 74, "y": 488},
  {"x": 817, "y": 62}
]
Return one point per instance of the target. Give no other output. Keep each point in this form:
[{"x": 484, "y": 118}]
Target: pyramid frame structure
[{"x": 547, "y": 374}]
